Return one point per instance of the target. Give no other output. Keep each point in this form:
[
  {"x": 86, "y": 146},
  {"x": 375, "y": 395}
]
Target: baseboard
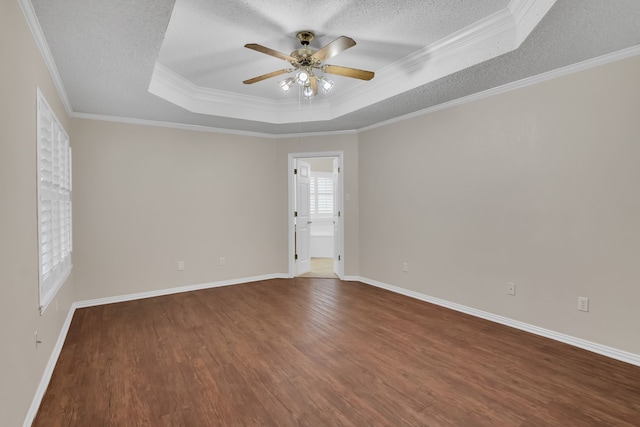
[
  {"x": 169, "y": 291},
  {"x": 603, "y": 350},
  {"x": 53, "y": 359},
  {"x": 48, "y": 371}
]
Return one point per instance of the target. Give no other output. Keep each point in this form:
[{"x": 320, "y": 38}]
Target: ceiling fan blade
[
  {"x": 266, "y": 76},
  {"x": 340, "y": 44},
  {"x": 268, "y": 51},
  {"x": 348, "y": 72},
  {"x": 314, "y": 85}
]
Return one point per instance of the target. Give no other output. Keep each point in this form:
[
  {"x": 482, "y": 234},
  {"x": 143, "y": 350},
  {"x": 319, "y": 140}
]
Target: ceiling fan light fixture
[
  {"x": 307, "y": 92},
  {"x": 287, "y": 84},
  {"x": 302, "y": 77},
  {"x": 325, "y": 84}
]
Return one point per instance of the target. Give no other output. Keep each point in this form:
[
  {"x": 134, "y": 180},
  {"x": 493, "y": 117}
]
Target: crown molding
[
  {"x": 492, "y": 36},
  {"x": 495, "y": 35},
  {"x": 199, "y": 128},
  {"x": 549, "y": 75},
  {"x": 169, "y": 125},
  {"x": 483, "y": 40},
  {"x": 32, "y": 21},
  {"x": 174, "y": 88},
  {"x": 527, "y": 14}
]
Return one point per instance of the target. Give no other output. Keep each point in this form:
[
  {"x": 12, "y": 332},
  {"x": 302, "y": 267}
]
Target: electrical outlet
[
  {"x": 583, "y": 303},
  {"x": 222, "y": 261},
  {"x": 405, "y": 267},
  {"x": 180, "y": 265},
  {"x": 511, "y": 288}
]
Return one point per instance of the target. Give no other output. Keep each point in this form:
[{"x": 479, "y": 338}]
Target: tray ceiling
[{"x": 183, "y": 62}]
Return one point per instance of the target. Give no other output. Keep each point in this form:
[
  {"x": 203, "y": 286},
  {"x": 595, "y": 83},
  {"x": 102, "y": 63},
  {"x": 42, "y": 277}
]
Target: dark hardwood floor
[{"x": 321, "y": 352}]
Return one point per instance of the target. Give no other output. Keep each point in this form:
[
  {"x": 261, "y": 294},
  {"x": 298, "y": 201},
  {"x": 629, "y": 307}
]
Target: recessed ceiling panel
[
  {"x": 204, "y": 40},
  {"x": 204, "y": 67}
]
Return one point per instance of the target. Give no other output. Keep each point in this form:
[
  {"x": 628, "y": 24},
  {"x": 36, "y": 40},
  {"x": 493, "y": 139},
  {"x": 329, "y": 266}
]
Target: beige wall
[
  {"x": 147, "y": 197},
  {"x": 321, "y": 164},
  {"x": 21, "y": 364},
  {"x": 539, "y": 186}
]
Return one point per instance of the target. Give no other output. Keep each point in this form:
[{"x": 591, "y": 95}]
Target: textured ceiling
[
  {"x": 204, "y": 39},
  {"x": 105, "y": 52}
]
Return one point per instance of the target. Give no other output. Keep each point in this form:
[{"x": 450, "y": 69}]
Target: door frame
[{"x": 339, "y": 198}]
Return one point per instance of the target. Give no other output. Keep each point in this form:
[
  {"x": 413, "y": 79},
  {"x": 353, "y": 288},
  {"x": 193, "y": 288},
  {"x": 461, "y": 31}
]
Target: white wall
[
  {"x": 539, "y": 186},
  {"x": 21, "y": 363},
  {"x": 321, "y": 238}
]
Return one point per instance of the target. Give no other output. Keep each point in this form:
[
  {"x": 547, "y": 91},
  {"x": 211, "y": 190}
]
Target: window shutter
[
  {"x": 321, "y": 194},
  {"x": 54, "y": 202},
  {"x": 325, "y": 196}
]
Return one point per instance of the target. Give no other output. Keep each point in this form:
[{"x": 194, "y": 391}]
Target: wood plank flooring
[{"x": 321, "y": 352}]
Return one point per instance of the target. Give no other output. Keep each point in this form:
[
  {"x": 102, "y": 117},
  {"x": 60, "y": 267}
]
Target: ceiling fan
[{"x": 307, "y": 62}]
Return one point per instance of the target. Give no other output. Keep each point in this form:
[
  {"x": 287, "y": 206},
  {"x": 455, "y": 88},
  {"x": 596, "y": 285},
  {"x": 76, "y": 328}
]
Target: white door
[
  {"x": 303, "y": 217},
  {"x": 337, "y": 256}
]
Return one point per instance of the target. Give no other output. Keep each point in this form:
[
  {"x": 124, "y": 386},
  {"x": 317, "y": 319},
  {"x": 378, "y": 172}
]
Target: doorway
[{"x": 315, "y": 215}]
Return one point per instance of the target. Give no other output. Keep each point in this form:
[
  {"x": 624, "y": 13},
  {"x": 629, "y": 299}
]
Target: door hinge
[
  {"x": 338, "y": 170},
  {"x": 338, "y": 257},
  {"x": 296, "y": 256},
  {"x": 295, "y": 213},
  {"x": 295, "y": 171},
  {"x": 338, "y": 213}
]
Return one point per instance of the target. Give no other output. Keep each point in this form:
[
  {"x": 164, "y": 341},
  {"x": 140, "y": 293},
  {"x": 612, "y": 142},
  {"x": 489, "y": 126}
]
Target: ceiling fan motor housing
[
  {"x": 303, "y": 56},
  {"x": 305, "y": 37}
]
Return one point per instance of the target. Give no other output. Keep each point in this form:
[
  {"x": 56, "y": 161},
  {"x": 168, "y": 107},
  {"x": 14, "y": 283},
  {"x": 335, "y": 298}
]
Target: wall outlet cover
[{"x": 583, "y": 303}]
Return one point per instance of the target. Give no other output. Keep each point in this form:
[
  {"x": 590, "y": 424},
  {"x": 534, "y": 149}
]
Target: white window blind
[
  {"x": 321, "y": 194},
  {"x": 54, "y": 202}
]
